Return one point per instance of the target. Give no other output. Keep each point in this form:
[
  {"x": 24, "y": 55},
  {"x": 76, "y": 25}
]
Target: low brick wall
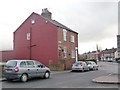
[
  {"x": 0, "y": 71},
  {"x": 62, "y": 65},
  {"x": 56, "y": 67}
]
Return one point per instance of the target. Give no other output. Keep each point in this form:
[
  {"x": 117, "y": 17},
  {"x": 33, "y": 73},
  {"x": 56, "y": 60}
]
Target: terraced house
[{"x": 41, "y": 38}]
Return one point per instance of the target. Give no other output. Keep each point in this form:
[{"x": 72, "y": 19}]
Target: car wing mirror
[{"x": 38, "y": 66}]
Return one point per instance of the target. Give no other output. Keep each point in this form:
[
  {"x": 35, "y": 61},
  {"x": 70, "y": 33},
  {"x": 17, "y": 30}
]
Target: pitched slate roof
[
  {"x": 108, "y": 51},
  {"x": 58, "y": 24}
]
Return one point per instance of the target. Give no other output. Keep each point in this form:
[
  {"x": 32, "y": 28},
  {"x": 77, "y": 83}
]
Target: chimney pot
[{"x": 45, "y": 13}]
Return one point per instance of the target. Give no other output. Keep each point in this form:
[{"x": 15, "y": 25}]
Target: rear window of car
[
  {"x": 78, "y": 63},
  {"x": 89, "y": 62},
  {"x": 11, "y": 63}
]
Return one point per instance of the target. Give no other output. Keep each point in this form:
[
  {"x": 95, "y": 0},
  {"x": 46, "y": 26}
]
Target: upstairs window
[
  {"x": 28, "y": 36},
  {"x": 72, "y": 39},
  {"x": 65, "y": 35}
]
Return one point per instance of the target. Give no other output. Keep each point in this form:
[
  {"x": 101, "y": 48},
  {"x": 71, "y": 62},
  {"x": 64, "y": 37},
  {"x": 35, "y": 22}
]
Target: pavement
[{"x": 108, "y": 79}]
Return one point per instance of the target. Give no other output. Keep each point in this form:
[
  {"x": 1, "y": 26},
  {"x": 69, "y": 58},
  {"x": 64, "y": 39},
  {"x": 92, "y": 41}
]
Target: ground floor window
[
  {"x": 65, "y": 52},
  {"x": 73, "y": 54}
]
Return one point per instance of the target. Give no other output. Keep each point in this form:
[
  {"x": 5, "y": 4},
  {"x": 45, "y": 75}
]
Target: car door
[
  {"x": 31, "y": 69},
  {"x": 41, "y": 69},
  {"x": 85, "y": 65},
  {"x": 38, "y": 68},
  {"x": 95, "y": 66},
  {"x": 23, "y": 67}
]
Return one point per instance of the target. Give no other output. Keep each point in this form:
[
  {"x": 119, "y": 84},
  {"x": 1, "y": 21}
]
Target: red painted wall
[
  {"x": 6, "y": 55},
  {"x": 43, "y": 36}
]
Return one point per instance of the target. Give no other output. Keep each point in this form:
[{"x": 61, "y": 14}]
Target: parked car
[
  {"x": 25, "y": 69},
  {"x": 80, "y": 66},
  {"x": 118, "y": 61},
  {"x": 92, "y": 65}
]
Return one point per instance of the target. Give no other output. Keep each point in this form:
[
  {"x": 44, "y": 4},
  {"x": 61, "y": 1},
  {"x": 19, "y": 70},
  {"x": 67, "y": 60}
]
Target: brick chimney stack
[{"x": 45, "y": 13}]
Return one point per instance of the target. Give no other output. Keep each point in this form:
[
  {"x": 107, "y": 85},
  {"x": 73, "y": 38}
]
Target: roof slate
[{"x": 58, "y": 24}]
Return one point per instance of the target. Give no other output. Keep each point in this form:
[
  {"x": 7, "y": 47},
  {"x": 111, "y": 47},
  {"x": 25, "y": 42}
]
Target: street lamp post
[{"x": 76, "y": 51}]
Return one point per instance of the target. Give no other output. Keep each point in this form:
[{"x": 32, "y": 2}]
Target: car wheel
[
  {"x": 97, "y": 68},
  {"x": 88, "y": 69},
  {"x": 47, "y": 75},
  {"x": 24, "y": 78}
]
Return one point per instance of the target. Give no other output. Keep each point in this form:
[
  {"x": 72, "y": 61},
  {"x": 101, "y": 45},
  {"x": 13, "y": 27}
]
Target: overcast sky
[{"x": 96, "y": 21}]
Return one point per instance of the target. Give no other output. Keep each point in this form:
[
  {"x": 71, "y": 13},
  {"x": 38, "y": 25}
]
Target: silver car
[
  {"x": 25, "y": 69},
  {"x": 92, "y": 65},
  {"x": 80, "y": 66}
]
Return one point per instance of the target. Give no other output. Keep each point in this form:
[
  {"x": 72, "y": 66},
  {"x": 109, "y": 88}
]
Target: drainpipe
[{"x": 30, "y": 43}]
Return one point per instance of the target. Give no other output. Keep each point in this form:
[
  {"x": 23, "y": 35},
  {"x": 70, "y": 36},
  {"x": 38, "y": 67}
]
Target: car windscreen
[
  {"x": 11, "y": 63},
  {"x": 88, "y": 62},
  {"x": 78, "y": 63}
]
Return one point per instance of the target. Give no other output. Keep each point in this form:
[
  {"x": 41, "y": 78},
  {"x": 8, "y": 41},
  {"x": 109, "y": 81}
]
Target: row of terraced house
[{"x": 101, "y": 55}]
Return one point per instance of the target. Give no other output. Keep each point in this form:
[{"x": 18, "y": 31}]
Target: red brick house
[
  {"x": 41, "y": 38},
  {"x": 108, "y": 54}
]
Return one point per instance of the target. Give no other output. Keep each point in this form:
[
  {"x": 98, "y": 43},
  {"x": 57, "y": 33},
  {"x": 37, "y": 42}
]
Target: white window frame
[
  {"x": 65, "y": 52},
  {"x": 72, "y": 39},
  {"x": 73, "y": 54},
  {"x": 64, "y": 35},
  {"x": 28, "y": 35}
]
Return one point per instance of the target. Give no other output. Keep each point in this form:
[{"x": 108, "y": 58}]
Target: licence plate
[{"x": 8, "y": 70}]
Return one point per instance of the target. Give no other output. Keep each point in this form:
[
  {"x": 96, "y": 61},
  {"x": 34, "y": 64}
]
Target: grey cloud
[{"x": 92, "y": 20}]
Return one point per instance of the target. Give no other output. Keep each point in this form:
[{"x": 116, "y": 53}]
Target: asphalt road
[{"x": 69, "y": 79}]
